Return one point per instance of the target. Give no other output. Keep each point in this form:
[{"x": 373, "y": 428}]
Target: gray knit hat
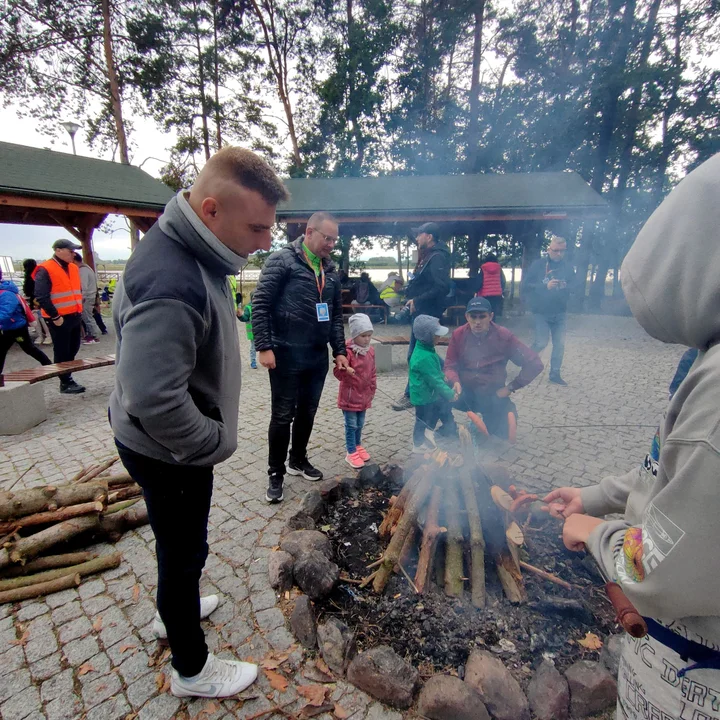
[
  {"x": 358, "y": 324},
  {"x": 426, "y": 327}
]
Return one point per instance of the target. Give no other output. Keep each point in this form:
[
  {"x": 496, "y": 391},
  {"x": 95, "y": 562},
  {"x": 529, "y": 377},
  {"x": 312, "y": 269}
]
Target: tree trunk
[
  {"x": 35, "y": 500},
  {"x": 49, "y": 562},
  {"x": 201, "y": 85},
  {"x": 53, "y": 516},
  {"x": 113, "y": 526},
  {"x": 429, "y": 540},
  {"x": 477, "y": 541},
  {"x": 398, "y": 247},
  {"x": 473, "y": 249},
  {"x": 454, "y": 573},
  {"x": 41, "y": 589},
  {"x": 216, "y": 78},
  {"x": 473, "y": 138}
]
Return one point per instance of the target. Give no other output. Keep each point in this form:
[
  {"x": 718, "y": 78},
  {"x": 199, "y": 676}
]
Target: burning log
[
  {"x": 454, "y": 583},
  {"x": 391, "y": 519},
  {"x": 429, "y": 540},
  {"x": 477, "y": 541}
]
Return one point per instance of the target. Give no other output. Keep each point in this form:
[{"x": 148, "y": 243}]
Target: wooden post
[{"x": 87, "y": 247}]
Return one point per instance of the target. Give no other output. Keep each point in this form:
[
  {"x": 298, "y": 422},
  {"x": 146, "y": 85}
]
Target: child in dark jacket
[{"x": 357, "y": 387}]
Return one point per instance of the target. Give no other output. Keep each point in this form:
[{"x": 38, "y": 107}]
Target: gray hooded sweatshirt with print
[
  {"x": 177, "y": 382},
  {"x": 671, "y": 279}
]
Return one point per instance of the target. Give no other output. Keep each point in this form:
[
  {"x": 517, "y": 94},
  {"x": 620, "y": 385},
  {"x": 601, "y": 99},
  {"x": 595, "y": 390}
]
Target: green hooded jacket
[{"x": 427, "y": 381}]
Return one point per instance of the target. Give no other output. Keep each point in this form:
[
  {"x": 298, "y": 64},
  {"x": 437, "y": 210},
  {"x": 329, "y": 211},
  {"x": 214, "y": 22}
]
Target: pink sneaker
[
  {"x": 363, "y": 453},
  {"x": 354, "y": 460}
]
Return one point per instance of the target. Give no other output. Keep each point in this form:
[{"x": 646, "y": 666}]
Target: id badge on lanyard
[{"x": 322, "y": 310}]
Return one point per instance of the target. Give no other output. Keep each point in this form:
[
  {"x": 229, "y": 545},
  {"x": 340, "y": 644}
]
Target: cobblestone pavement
[{"x": 85, "y": 652}]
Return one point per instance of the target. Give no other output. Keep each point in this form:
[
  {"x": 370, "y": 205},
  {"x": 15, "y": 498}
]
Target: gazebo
[
  {"x": 44, "y": 187},
  {"x": 519, "y": 204}
]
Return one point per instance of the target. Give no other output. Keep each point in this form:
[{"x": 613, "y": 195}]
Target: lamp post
[{"x": 72, "y": 128}]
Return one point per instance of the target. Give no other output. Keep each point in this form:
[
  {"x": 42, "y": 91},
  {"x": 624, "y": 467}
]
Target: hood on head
[
  {"x": 671, "y": 276},
  {"x": 8, "y": 285}
]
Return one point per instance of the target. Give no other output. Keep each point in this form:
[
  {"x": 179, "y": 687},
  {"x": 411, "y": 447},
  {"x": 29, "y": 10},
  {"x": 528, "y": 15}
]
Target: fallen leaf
[
  {"x": 85, "y": 668},
  {"x": 315, "y": 694},
  {"x": 311, "y": 711},
  {"x": 211, "y": 708},
  {"x": 136, "y": 593},
  {"x": 165, "y": 655},
  {"x": 159, "y": 680},
  {"x": 270, "y": 664},
  {"x": 341, "y": 712},
  {"x": 125, "y": 648},
  {"x": 22, "y": 640},
  {"x": 131, "y": 716},
  {"x": 326, "y": 528},
  {"x": 97, "y": 625},
  {"x": 591, "y": 642},
  {"x": 322, "y": 666},
  {"x": 277, "y": 681}
]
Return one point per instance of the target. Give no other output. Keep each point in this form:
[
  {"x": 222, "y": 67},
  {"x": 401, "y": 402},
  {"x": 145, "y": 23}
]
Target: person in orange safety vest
[{"x": 58, "y": 290}]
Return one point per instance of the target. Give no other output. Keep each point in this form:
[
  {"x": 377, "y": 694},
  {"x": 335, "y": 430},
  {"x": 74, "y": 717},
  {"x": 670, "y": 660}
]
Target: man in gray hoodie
[
  {"x": 664, "y": 552},
  {"x": 174, "y": 410}
]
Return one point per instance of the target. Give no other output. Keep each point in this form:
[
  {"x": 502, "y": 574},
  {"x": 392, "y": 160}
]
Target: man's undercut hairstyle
[
  {"x": 558, "y": 240},
  {"x": 249, "y": 170},
  {"x": 318, "y": 218}
]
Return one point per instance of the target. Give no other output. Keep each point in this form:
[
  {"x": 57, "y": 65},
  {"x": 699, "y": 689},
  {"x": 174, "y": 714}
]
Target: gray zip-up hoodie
[
  {"x": 665, "y": 553},
  {"x": 177, "y": 383}
]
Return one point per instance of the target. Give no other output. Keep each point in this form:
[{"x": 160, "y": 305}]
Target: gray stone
[
  {"x": 46, "y": 668},
  {"x": 378, "y": 711},
  {"x": 21, "y": 705},
  {"x": 549, "y": 694},
  {"x": 66, "y": 613},
  {"x": 315, "y": 574},
  {"x": 39, "y": 647},
  {"x": 116, "y": 708},
  {"x": 444, "y": 697},
  {"x": 139, "y": 692},
  {"x": 31, "y": 610},
  {"x": 64, "y": 708},
  {"x": 349, "y": 486},
  {"x": 370, "y": 475},
  {"x": 163, "y": 706},
  {"x": 300, "y": 521},
  {"x": 313, "y": 504},
  {"x": 384, "y": 675},
  {"x": 610, "y": 653},
  {"x": 80, "y": 627},
  {"x": 58, "y": 686},
  {"x": 13, "y": 683},
  {"x": 329, "y": 490},
  {"x": 280, "y": 570},
  {"x": 78, "y": 651},
  {"x": 592, "y": 688},
  {"x": 303, "y": 622},
  {"x": 300, "y": 542},
  {"x": 337, "y": 645},
  {"x": 101, "y": 689},
  {"x": 499, "y": 690}
]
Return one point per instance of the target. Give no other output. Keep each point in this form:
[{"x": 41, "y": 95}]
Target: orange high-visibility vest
[{"x": 65, "y": 289}]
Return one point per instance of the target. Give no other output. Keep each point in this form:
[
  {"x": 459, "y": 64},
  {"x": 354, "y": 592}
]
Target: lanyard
[{"x": 320, "y": 285}]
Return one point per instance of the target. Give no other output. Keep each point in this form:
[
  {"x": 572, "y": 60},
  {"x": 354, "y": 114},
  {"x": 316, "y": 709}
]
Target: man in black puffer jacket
[
  {"x": 297, "y": 311},
  {"x": 428, "y": 290}
]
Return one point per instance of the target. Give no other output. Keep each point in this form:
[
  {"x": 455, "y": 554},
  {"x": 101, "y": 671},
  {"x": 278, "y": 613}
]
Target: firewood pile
[
  {"x": 93, "y": 506},
  {"x": 449, "y": 519}
]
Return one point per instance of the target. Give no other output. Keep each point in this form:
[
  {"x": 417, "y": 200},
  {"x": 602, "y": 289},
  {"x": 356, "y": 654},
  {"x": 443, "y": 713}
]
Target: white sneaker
[
  {"x": 207, "y": 605},
  {"x": 219, "y": 678},
  {"x": 422, "y": 449},
  {"x": 47, "y": 341},
  {"x": 430, "y": 438}
]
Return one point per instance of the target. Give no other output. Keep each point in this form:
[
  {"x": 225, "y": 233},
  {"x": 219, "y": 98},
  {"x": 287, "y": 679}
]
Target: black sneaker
[
  {"x": 305, "y": 469},
  {"x": 274, "y": 492},
  {"x": 71, "y": 388},
  {"x": 402, "y": 404},
  {"x": 556, "y": 379}
]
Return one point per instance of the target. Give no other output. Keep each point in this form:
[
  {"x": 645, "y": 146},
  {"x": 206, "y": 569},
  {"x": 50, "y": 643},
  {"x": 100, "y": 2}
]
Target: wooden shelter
[{"x": 44, "y": 187}]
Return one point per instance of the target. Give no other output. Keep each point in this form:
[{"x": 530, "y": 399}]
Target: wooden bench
[
  {"x": 351, "y": 309},
  {"x": 46, "y": 372}
]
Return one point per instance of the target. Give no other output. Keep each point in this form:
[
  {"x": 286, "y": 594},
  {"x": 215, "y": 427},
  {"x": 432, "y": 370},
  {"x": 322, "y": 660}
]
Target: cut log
[
  {"x": 114, "y": 525},
  {"x": 115, "y": 480},
  {"x": 105, "y": 562},
  {"x": 94, "y": 472},
  {"x": 49, "y": 562},
  {"x": 41, "y": 589},
  {"x": 429, "y": 540},
  {"x": 124, "y": 493},
  {"x": 53, "y": 516},
  {"x": 510, "y": 578},
  {"x": 394, "y": 514},
  {"x": 28, "y": 547},
  {"x": 406, "y": 524},
  {"x": 407, "y": 547},
  {"x": 29, "y": 502},
  {"x": 477, "y": 541},
  {"x": 454, "y": 573}
]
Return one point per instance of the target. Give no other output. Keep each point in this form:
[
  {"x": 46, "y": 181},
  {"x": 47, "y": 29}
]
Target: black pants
[
  {"x": 99, "y": 320},
  {"x": 296, "y": 385},
  {"x": 178, "y": 503},
  {"x": 22, "y": 338},
  {"x": 427, "y": 416},
  {"x": 66, "y": 341},
  {"x": 496, "y": 303},
  {"x": 494, "y": 410}
]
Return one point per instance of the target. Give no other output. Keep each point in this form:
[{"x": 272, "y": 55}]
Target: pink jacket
[{"x": 357, "y": 391}]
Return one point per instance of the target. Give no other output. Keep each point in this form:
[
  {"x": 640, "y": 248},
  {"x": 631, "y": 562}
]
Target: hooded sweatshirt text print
[{"x": 671, "y": 281}]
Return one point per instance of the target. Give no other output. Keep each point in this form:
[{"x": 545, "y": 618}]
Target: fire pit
[{"x": 446, "y": 559}]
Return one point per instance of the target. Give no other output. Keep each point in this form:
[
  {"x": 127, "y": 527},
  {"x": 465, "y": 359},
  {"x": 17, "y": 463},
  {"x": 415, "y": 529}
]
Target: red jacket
[
  {"x": 481, "y": 363},
  {"x": 357, "y": 391},
  {"x": 492, "y": 282}
]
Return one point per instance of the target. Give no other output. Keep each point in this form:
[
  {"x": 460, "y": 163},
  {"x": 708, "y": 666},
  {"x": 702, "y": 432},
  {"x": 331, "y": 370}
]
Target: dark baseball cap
[
  {"x": 429, "y": 228},
  {"x": 479, "y": 304},
  {"x": 66, "y": 244}
]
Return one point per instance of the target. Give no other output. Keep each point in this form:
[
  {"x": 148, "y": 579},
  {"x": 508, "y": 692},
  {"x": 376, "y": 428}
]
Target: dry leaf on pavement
[
  {"x": 277, "y": 681},
  {"x": 314, "y": 694},
  {"x": 97, "y": 625},
  {"x": 340, "y": 712},
  {"x": 591, "y": 642},
  {"x": 85, "y": 668}
]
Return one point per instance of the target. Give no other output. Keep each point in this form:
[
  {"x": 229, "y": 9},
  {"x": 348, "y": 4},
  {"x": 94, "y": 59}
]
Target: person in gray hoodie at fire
[
  {"x": 664, "y": 552},
  {"x": 174, "y": 410}
]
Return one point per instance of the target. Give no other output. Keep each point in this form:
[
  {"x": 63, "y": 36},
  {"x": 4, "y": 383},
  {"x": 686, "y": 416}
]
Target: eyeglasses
[{"x": 327, "y": 238}]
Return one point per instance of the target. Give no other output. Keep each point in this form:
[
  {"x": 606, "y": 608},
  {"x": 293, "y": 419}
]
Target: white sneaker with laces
[
  {"x": 208, "y": 605},
  {"x": 218, "y": 678}
]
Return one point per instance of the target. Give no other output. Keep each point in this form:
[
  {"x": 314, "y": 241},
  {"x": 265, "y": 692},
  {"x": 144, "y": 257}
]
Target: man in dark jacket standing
[
  {"x": 297, "y": 311},
  {"x": 546, "y": 286},
  {"x": 427, "y": 291},
  {"x": 174, "y": 410}
]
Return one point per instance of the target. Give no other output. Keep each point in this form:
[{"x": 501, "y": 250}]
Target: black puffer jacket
[
  {"x": 283, "y": 306},
  {"x": 431, "y": 284}
]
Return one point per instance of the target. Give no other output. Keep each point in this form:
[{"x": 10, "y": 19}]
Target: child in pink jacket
[{"x": 357, "y": 387}]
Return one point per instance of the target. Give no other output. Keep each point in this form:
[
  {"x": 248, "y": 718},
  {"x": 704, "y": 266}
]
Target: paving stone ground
[{"x": 85, "y": 652}]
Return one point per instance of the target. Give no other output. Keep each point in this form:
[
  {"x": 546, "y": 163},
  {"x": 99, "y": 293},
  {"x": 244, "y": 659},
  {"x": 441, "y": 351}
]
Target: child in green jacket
[
  {"x": 429, "y": 392},
  {"x": 246, "y": 317}
]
